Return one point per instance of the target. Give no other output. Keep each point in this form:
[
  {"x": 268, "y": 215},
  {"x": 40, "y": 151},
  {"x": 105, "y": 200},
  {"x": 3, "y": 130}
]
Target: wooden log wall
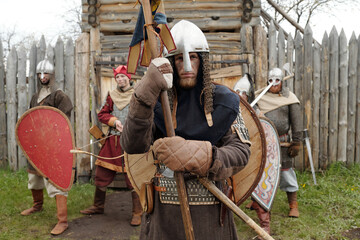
[{"x": 326, "y": 83}]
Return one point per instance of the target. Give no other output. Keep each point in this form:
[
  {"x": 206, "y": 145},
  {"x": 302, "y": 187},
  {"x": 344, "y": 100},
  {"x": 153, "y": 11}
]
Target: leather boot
[
  {"x": 38, "y": 199},
  {"x": 292, "y": 198},
  {"x": 264, "y": 216},
  {"x": 99, "y": 203},
  {"x": 136, "y": 209},
  {"x": 61, "y": 205}
]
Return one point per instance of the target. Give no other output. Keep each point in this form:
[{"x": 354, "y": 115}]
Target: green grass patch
[{"x": 326, "y": 210}]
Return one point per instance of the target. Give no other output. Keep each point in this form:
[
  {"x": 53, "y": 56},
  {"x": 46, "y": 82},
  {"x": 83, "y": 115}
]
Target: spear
[{"x": 180, "y": 183}]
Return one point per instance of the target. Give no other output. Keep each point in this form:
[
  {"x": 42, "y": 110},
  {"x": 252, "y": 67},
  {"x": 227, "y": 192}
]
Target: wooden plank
[
  {"x": 132, "y": 14},
  {"x": 32, "y": 72},
  {"x": 281, "y": 49},
  {"x": 247, "y": 49},
  {"x": 69, "y": 85},
  {"x": 334, "y": 94},
  {"x": 290, "y": 57},
  {"x": 11, "y": 72},
  {"x": 50, "y": 54},
  {"x": 307, "y": 87},
  {"x": 324, "y": 106},
  {"x": 353, "y": 57},
  {"x": 59, "y": 66},
  {"x": 316, "y": 105},
  {"x": 223, "y": 24},
  {"x": 272, "y": 47},
  {"x": 22, "y": 103},
  {"x": 82, "y": 107},
  {"x": 261, "y": 60},
  {"x": 95, "y": 50},
  {"x": 357, "y": 136},
  {"x": 343, "y": 97},
  {"x": 299, "y": 76},
  {"x": 3, "y": 124},
  {"x": 172, "y": 6}
]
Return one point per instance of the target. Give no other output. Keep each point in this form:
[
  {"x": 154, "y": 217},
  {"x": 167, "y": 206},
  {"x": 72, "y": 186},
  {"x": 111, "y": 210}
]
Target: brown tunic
[{"x": 230, "y": 155}]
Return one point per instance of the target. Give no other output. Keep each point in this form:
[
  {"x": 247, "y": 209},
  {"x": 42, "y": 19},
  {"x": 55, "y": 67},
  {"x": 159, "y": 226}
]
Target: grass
[{"x": 326, "y": 210}]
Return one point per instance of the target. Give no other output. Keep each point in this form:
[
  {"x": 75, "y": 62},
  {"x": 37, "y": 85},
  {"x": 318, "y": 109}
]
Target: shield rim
[
  {"x": 263, "y": 150},
  {"x": 72, "y": 140},
  {"x": 262, "y": 204}
]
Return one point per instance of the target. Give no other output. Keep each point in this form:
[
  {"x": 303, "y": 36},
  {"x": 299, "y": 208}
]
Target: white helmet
[
  {"x": 243, "y": 85},
  {"x": 188, "y": 38},
  {"x": 276, "y": 75},
  {"x": 44, "y": 66}
]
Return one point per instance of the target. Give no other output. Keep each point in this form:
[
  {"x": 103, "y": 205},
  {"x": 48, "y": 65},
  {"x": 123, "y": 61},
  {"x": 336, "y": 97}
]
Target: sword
[{"x": 308, "y": 147}]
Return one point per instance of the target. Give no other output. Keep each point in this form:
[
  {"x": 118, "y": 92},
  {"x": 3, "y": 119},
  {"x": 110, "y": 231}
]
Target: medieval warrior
[
  {"x": 48, "y": 95},
  {"x": 113, "y": 113},
  {"x": 282, "y": 107},
  {"x": 206, "y": 142}
]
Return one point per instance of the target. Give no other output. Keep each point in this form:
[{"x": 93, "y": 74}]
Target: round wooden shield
[
  {"x": 265, "y": 191},
  {"x": 46, "y": 137},
  {"x": 140, "y": 168},
  {"x": 245, "y": 181}
]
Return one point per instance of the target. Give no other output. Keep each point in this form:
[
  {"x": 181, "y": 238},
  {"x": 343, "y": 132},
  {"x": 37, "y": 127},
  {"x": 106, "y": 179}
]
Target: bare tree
[
  {"x": 303, "y": 10},
  {"x": 72, "y": 17}
]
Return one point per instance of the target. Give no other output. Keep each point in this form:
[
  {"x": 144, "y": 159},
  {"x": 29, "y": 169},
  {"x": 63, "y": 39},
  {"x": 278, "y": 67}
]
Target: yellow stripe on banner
[
  {"x": 146, "y": 55},
  {"x": 167, "y": 38},
  {"x": 133, "y": 59}
]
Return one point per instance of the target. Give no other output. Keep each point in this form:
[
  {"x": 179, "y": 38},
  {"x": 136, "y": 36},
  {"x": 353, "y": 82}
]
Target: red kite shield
[{"x": 46, "y": 137}]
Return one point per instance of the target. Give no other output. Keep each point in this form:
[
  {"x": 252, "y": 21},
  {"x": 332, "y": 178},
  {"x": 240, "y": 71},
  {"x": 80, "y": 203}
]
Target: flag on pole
[{"x": 159, "y": 17}]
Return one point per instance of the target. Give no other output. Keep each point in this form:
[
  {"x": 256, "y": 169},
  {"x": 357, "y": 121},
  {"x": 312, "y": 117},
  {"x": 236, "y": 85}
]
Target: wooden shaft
[
  {"x": 179, "y": 177},
  {"x": 230, "y": 204}
]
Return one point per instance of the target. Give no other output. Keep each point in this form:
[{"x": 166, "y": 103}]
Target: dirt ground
[{"x": 114, "y": 224}]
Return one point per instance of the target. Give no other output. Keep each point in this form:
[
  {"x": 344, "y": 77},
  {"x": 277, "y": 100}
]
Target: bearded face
[
  {"x": 187, "y": 79},
  {"x": 44, "y": 78}
]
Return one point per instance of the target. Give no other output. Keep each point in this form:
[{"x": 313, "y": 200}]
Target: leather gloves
[
  {"x": 158, "y": 77},
  {"x": 179, "y": 154},
  {"x": 294, "y": 148}
]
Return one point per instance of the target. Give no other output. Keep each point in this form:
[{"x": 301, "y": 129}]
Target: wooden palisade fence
[
  {"x": 326, "y": 83},
  {"x": 72, "y": 76}
]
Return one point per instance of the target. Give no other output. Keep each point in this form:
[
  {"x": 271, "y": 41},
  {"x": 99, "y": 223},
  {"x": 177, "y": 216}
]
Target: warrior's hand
[
  {"x": 157, "y": 78},
  {"x": 118, "y": 125},
  {"x": 294, "y": 148},
  {"x": 179, "y": 154}
]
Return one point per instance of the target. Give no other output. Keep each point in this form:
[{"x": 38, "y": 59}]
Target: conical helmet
[
  {"x": 45, "y": 66},
  {"x": 243, "y": 85},
  {"x": 188, "y": 38}
]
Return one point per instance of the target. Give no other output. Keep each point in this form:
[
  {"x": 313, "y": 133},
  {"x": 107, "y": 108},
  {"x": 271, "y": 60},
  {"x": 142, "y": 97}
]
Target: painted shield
[
  {"x": 245, "y": 181},
  {"x": 46, "y": 137},
  {"x": 265, "y": 191}
]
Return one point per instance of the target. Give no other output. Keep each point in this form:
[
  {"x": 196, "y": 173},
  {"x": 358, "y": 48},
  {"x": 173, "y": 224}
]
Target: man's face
[
  {"x": 276, "y": 88},
  {"x": 122, "y": 80},
  {"x": 187, "y": 80},
  {"x": 44, "y": 78}
]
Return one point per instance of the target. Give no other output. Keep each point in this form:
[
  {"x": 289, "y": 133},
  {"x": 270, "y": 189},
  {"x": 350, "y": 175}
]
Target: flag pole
[{"x": 179, "y": 177}]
